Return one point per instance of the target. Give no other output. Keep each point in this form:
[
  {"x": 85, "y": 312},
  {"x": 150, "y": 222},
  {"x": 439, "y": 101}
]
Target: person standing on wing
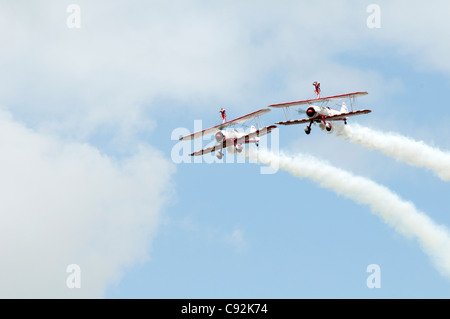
[
  {"x": 317, "y": 88},
  {"x": 224, "y": 116}
]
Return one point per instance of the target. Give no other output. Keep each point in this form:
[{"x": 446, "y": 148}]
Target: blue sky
[{"x": 88, "y": 114}]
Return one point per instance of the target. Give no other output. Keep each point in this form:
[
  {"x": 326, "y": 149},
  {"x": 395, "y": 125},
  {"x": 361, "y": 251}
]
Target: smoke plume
[
  {"x": 415, "y": 153},
  {"x": 402, "y": 215}
]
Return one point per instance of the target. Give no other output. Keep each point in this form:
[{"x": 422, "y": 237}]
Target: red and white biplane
[
  {"x": 231, "y": 139},
  {"x": 319, "y": 112}
]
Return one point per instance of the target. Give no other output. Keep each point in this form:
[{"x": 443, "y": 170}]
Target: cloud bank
[{"x": 65, "y": 203}]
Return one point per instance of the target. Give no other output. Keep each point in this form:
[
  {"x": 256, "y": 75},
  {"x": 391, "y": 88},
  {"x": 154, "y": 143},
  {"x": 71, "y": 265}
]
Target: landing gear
[
  {"x": 307, "y": 130},
  {"x": 219, "y": 154}
]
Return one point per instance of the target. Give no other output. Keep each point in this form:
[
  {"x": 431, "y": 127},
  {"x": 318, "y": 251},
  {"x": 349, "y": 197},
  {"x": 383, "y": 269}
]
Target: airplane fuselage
[
  {"x": 233, "y": 137},
  {"x": 316, "y": 111},
  {"x": 233, "y": 140},
  {"x": 318, "y": 114}
]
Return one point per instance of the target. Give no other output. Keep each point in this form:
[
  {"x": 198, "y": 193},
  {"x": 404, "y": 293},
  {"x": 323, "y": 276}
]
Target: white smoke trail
[
  {"x": 402, "y": 215},
  {"x": 415, "y": 153}
]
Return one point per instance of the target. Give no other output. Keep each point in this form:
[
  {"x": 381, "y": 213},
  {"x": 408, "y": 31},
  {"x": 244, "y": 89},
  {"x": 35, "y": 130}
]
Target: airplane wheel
[
  {"x": 307, "y": 130},
  {"x": 219, "y": 155}
]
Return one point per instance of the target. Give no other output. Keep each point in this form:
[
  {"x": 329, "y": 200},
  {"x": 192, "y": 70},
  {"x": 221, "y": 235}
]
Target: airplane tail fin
[{"x": 344, "y": 108}]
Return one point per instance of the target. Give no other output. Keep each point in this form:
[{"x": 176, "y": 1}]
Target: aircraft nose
[
  {"x": 310, "y": 112},
  {"x": 219, "y": 137}
]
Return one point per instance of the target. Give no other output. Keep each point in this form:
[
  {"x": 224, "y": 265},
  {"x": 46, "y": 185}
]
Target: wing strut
[{"x": 287, "y": 113}]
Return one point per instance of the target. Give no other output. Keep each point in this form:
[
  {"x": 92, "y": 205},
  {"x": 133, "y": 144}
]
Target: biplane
[
  {"x": 231, "y": 139},
  {"x": 319, "y": 112}
]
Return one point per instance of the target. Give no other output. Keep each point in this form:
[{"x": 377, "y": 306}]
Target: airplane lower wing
[
  {"x": 343, "y": 116},
  {"x": 211, "y": 149},
  {"x": 295, "y": 122},
  {"x": 339, "y": 117},
  {"x": 241, "y": 140}
]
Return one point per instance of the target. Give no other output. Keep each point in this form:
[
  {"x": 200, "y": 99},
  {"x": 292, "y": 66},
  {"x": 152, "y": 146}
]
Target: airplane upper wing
[
  {"x": 243, "y": 139},
  {"x": 213, "y": 129},
  {"x": 247, "y": 117},
  {"x": 322, "y": 99}
]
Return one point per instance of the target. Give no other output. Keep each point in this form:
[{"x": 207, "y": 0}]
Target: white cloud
[
  {"x": 236, "y": 239},
  {"x": 417, "y": 30},
  {"x": 126, "y": 57},
  {"x": 66, "y": 203}
]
